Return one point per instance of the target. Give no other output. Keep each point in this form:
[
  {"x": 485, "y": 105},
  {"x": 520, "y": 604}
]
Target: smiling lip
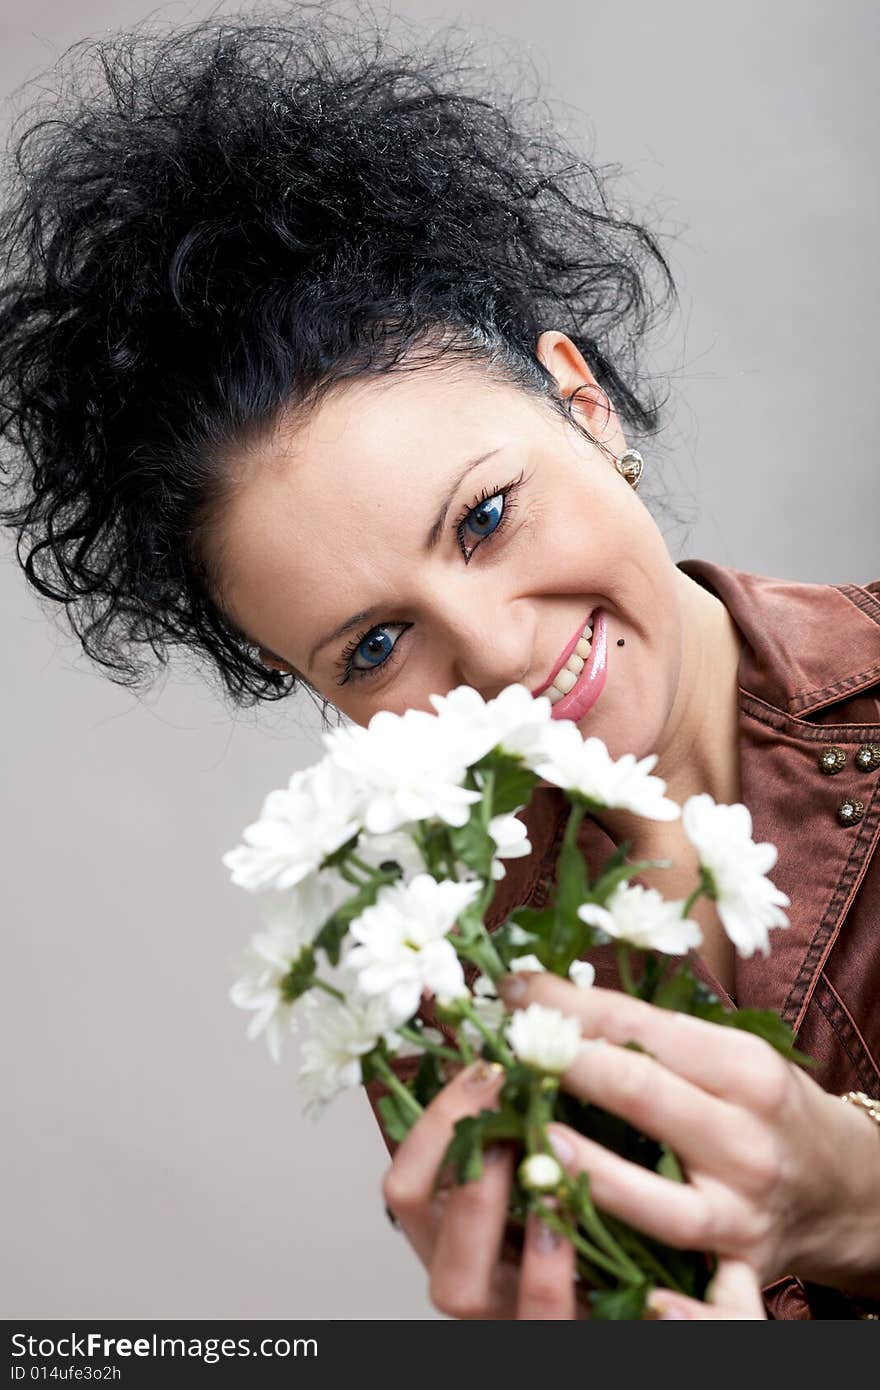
[
  {"x": 566, "y": 653},
  {"x": 589, "y": 684}
]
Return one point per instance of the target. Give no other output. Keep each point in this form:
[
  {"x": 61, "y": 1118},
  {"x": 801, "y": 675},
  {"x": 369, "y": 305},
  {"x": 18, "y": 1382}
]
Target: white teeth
[
  {"x": 575, "y": 663},
  {"x": 565, "y": 680},
  {"x": 583, "y": 647},
  {"x": 553, "y": 694}
]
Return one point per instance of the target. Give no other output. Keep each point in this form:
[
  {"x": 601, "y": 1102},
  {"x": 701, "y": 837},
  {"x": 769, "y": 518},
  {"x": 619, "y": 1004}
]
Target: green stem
[
  {"x": 645, "y": 1257},
  {"x": 394, "y": 1084},
  {"x": 347, "y": 872},
  {"x": 497, "y": 1045},
  {"x": 413, "y": 1035},
  {"x": 623, "y": 966},
  {"x": 328, "y": 989},
  {"x": 697, "y": 893},
  {"x": 590, "y": 1252}
]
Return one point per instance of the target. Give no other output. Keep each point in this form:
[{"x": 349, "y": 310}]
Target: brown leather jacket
[{"x": 809, "y": 682}]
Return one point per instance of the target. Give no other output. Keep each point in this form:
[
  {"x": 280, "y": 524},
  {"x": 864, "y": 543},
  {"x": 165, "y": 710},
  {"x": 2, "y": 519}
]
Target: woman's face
[{"x": 432, "y": 529}]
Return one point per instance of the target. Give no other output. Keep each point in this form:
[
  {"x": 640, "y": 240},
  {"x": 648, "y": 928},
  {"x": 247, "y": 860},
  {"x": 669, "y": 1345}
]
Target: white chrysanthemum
[
  {"x": 340, "y": 1035},
  {"x": 644, "y": 918},
  {"x": 582, "y": 973},
  {"x": 398, "y": 846},
  {"x": 511, "y": 841},
  {"x": 540, "y": 1173},
  {"x": 525, "y": 963},
  {"x": 408, "y": 767},
  {"x": 748, "y": 902},
  {"x": 294, "y": 920},
  {"x": 400, "y": 942},
  {"x": 585, "y": 766},
  {"x": 514, "y": 721},
  {"x": 544, "y": 1039},
  {"x": 298, "y": 827}
]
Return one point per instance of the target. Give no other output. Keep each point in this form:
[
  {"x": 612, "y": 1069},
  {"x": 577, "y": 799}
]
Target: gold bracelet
[{"x": 867, "y": 1103}]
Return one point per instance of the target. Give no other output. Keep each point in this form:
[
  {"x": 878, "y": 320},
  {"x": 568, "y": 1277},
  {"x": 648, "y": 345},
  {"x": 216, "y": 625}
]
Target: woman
[{"x": 324, "y": 368}]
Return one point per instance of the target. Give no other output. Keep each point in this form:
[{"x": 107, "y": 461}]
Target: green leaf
[
  {"x": 679, "y": 991},
  {"x": 332, "y": 934},
  {"x": 472, "y": 843},
  {"x": 538, "y": 922},
  {"x": 626, "y": 1304},
  {"x": 471, "y": 1135},
  {"x": 397, "y": 1126},
  {"x": 669, "y": 1166},
  {"x": 428, "y": 1080},
  {"x": 764, "y": 1023},
  {"x": 513, "y": 784},
  {"x": 299, "y": 977}
]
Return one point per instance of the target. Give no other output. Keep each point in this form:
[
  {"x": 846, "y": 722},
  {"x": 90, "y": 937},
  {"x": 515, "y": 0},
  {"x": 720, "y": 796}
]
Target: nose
[{"x": 491, "y": 646}]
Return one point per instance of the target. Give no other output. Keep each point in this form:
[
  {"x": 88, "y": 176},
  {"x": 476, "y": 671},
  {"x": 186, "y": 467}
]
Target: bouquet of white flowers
[{"x": 376, "y": 868}]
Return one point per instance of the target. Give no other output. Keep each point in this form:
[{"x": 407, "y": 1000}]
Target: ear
[{"x": 566, "y": 363}]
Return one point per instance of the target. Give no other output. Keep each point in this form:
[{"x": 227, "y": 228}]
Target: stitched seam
[
  {"x": 832, "y": 919},
  {"x": 780, "y": 721},
  {"x": 827, "y": 694},
  {"x": 863, "y": 598},
  {"x": 841, "y": 1023}
]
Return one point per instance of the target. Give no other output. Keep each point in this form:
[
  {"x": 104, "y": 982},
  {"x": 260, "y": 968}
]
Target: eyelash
[{"x": 508, "y": 493}]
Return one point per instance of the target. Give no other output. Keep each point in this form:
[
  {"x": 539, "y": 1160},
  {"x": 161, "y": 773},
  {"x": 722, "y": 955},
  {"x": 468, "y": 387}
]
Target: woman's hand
[
  {"x": 458, "y": 1233},
  {"x": 781, "y": 1177}
]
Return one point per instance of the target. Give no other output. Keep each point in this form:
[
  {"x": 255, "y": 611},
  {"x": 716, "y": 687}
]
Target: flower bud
[
  {"x": 540, "y": 1173},
  {"x": 448, "y": 1010}
]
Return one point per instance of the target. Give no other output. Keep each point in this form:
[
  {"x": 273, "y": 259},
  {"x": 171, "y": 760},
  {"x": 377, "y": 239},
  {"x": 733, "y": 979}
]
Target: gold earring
[{"x": 630, "y": 465}]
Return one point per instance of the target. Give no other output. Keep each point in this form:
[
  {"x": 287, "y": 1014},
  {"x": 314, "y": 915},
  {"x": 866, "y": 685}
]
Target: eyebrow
[{"x": 431, "y": 541}]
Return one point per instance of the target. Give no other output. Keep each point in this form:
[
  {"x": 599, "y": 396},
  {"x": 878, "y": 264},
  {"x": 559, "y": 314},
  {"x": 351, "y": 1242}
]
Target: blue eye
[
  {"x": 372, "y": 650},
  {"x": 482, "y": 520}
]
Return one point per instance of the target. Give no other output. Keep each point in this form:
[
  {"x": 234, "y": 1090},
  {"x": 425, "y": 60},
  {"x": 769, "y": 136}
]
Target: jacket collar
[{"x": 805, "y": 646}]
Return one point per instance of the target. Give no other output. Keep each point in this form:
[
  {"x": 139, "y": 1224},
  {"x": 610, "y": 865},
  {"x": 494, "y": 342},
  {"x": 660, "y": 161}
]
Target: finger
[
  {"x": 705, "y": 1131},
  {"x": 546, "y": 1287},
  {"x": 734, "y": 1293},
  {"x": 676, "y": 1213},
  {"x": 408, "y": 1187},
  {"x": 725, "y": 1062},
  {"x": 467, "y": 1248}
]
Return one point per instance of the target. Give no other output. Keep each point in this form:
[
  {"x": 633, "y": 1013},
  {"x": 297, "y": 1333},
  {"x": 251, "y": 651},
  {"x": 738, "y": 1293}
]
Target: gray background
[{"x": 156, "y": 1164}]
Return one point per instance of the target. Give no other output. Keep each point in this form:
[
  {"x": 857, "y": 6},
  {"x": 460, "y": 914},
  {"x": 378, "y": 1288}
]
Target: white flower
[
  {"x": 544, "y": 1039},
  {"x": 398, "y": 846},
  {"x": 487, "y": 1006},
  {"x": 294, "y": 920},
  {"x": 585, "y": 766},
  {"x": 582, "y": 973},
  {"x": 341, "y": 1034},
  {"x": 525, "y": 963},
  {"x": 540, "y": 1173},
  {"x": 514, "y": 721},
  {"x": 401, "y": 946},
  {"x": 408, "y": 768},
  {"x": 644, "y": 918},
  {"x": 511, "y": 841},
  {"x": 748, "y": 902},
  {"x": 298, "y": 827}
]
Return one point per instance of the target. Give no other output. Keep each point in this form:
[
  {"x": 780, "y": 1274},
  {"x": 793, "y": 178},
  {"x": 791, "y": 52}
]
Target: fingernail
[
  {"x": 482, "y": 1073},
  {"x": 512, "y": 988},
  {"x": 561, "y": 1146},
  {"x": 546, "y": 1239},
  {"x": 659, "y": 1306},
  {"x": 493, "y": 1153}
]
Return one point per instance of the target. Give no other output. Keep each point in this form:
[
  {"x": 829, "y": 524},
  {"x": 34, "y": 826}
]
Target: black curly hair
[{"x": 214, "y": 225}]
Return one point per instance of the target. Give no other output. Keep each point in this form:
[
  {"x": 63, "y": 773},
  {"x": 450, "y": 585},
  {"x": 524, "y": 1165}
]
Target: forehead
[{"x": 339, "y": 488}]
